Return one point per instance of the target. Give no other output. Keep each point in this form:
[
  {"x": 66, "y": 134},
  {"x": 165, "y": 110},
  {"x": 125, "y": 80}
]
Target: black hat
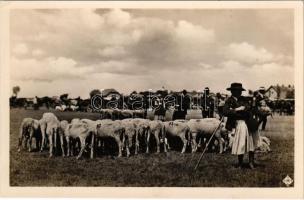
[
  {"x": 236, "y": 86},
  {"x": 206, "y": 88}
]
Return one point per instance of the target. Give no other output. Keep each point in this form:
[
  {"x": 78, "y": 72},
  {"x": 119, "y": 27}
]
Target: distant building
[
  {"x": 271, "y": 93},
  {"x": 280, "y": 92}
]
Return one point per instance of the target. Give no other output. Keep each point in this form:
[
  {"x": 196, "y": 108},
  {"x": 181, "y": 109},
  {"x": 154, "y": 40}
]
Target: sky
[{"x": 73, "y": 51}]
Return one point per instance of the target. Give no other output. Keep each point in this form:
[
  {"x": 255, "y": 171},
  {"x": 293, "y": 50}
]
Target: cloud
[
  {"x": 186, "y": 30},
  {"x": 117, "y": 18},
  {"x": 109, "y": 47},
  {"x": 90, "y": 19},
  {"x": 37, "y": 52},
  {"x": 90, "y": 37},
  {"x": 126, "y": 67},
  {"x": 50, "y": 69},
  {"x": 247, "y": 53},
  {"x": 257, "y": 74},
  {"x": 205, "y": 65},
  {"x": 20, "y": 49},
  {"x": 112, "y": 51}
]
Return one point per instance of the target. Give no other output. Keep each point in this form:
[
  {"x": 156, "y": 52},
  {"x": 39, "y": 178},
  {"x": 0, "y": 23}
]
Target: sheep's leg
[
  {"x": 128, "y": 145},
  {"x": 42, "y": 142},
  {"x": 26, "y": 143},
  {"x": 42, "y": 128},
  {"x": 225, "y": 145},
  {"x": 30, "y": 143},
  {"x": 184, "y": 139},
  {"x": 82, "y": 142},
  {"x": 119, "y": 143},
  {"x": 194, "y": 144},
  {"x": 20, "y": 143},
  {"x": 157, "y": 142},
  {"x": 199, "y": 143},
  {"x": 21, "y": 136},
  {"x": 61, "y": 145},
  {"x": 51, "y": 145},
  {"x": 164, "y": 139},
  {"x": 68, "y": 145},
  {"x": 147, "y": 141},
  {"x": 136, "y": 144},
  {"x": 55, "y": 140},
  {"x": 221, "y": 143},
  {"x": 124, "y": 142},
  {"x": 92, "y": 146},
  {"x": 167, "y": 146}
]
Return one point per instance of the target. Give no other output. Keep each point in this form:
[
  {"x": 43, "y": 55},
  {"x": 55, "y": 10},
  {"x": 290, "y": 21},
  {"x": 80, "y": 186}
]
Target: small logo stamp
[{"x": 287, "y": 181}]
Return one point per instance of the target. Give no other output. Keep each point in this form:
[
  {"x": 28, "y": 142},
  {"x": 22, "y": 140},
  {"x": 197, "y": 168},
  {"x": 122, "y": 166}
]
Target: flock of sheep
[{"x": 128, "y": 133}]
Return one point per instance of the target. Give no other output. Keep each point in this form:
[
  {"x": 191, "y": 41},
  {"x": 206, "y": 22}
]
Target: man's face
[{"x": 236, "y": 93}]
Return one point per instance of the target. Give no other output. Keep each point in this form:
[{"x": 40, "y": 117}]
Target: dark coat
[
  {"x": 160, "y": 110},
  {"x": 228, "y": 111},
  {"x": 208, "y": 108}
]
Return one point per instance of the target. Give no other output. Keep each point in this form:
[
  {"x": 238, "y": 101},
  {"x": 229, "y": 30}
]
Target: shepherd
[{"x": 237, "y": 110}]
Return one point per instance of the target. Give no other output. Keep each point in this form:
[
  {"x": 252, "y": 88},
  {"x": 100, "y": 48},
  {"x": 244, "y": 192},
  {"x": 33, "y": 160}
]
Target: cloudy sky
[{"x": 76, "y": 50}]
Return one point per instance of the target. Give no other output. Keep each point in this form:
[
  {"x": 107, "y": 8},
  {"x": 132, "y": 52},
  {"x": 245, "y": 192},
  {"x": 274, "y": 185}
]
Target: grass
[{"x": 152, "y": 170}]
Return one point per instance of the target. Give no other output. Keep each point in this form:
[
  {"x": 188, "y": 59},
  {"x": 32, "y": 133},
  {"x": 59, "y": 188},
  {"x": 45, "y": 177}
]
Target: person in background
[
  {"x": 207, "y": 104},
  {"x": 261, "y": 100},
  {"x": 220, "y": 104},
  {"x": 160, "y": 111},
  {"x": 236, "y": 109},
  {"x": 184, "y": 102}
]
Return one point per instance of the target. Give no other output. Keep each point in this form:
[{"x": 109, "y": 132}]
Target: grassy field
[{"x": 171, "y": 169}]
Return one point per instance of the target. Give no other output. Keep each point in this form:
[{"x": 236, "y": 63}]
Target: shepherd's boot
[{"x": 240, "y": 159}]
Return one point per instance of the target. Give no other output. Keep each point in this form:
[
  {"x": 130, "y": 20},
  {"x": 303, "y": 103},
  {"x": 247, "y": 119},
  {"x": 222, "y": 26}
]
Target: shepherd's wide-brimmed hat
[{"x": 236, "y": 86}]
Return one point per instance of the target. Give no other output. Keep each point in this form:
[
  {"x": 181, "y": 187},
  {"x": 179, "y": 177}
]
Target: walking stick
[{"x": 199, "y": 160}]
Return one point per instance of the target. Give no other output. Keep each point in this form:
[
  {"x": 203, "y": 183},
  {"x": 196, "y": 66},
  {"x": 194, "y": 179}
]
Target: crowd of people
[{"x": 160, "y": 101}]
